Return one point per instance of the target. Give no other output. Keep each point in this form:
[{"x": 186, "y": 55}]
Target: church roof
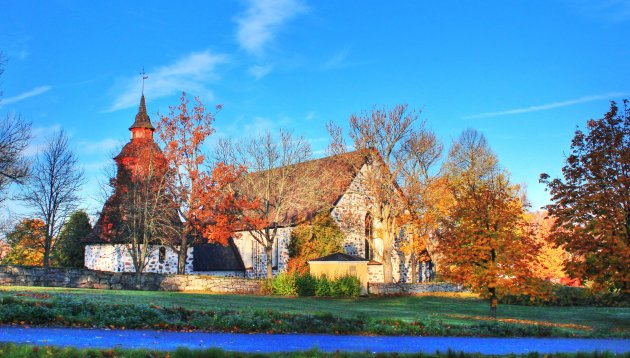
[
  {"x": 318, "y": 184},
  {"x": 216, "y": 257},
  {"x": 142, "y": 118}
]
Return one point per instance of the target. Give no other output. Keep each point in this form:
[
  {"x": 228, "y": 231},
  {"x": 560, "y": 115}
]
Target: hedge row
[
  {"x": 570, "y": 296},
  {"x": 294, "y": 284}
]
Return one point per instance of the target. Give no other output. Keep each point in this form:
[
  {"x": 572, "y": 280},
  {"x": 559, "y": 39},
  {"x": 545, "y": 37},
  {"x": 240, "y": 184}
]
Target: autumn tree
[
  {"x": 484, "y": 238},
  {"x": 402, "y": 168},
  {"x": 149, "y": 212},
  {"x": 26, "y": 243},
  {"x": 15, "y": 134},
  {"x": 207, "y": 206},
  {"x": 274, "y": 181},
  {"x": 552, "y": 257},
  {"x": 319, "y": 237},
  {"x": 591, "y": 203},
  {"x": 70, "y": 248},
  {"x": 53, "y": 187}
]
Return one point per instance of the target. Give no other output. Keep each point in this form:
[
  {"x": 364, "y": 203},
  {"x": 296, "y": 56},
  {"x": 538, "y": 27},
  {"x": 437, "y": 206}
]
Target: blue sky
[{"x": 525, "y": 73}]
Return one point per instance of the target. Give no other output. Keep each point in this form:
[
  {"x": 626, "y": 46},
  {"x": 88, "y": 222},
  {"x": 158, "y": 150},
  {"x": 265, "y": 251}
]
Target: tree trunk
[
  {"x": 269, "y": 262},
  {"x": 47, "y": 251},
  {"x": 182, "y": 254},
  {"x": 493, "y": 302},
  {"x": 387, "y": 264},
  {"x": 46, "y": 258},
  {"x": 414, "y": 267}
]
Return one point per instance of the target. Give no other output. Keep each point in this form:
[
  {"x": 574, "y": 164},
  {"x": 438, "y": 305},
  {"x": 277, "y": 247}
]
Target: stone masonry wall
[
  {"x": 116, "y": 258},
  {"x": 83, "y": 278},
  {"x": 410, "y": 289}
]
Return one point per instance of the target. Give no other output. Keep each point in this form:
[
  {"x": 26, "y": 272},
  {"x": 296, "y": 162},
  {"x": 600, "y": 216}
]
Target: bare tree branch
[{"x": 52, "y": 191}]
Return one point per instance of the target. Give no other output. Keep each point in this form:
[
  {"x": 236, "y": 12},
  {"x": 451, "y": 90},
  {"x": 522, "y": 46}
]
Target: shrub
[
  {"x": 294, "y": 284},
  {"x": 306, "y": 284},
  {"x": 346, "y": 286},
  {"x": 570, "y": 296},
  {"x": 284, "y": 284},
  {"x": 323, "y": 288}
]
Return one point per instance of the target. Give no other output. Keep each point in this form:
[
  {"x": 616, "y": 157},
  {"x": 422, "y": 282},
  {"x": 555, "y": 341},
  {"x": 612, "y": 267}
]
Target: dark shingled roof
[
  {"x": 338, "y": 256},
  {"x": 216, "y": 257},
  {"x": 142, "y": 118}
]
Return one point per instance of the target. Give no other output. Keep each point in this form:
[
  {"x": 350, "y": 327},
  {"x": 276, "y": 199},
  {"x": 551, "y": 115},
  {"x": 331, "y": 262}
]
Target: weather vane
[{"x": 144, "y": 77}]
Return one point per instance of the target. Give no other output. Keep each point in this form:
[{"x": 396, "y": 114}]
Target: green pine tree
[{"x": 70, "y": 247}]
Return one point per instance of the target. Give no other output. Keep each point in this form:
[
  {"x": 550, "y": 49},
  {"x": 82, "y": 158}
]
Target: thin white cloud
[
  {"x": 190, "y": 73},
  {"x": 259, "y": 24},
  {"x": 102, "y": 146},
  {"x": 259, "y": 71},
  {"x": 337, "y": 60},
  {"x": 602, "y": 10},
  {"x": 22, "y": 96},
  {"x": 545, "y": 107},
  {"x": 310, "y": 116}
]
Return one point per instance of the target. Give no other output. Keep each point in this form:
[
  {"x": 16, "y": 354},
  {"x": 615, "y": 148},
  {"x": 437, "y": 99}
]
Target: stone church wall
[
  {"x": 82, "y": 278},
  {"x": 116, "y": 258},
  {"x": 350, "y": 213},
  {"x": 254, "y": 256}
]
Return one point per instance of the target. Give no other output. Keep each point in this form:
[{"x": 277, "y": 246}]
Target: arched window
[
  {"x": 369, "y": 250},
  {"x": 162, "y": 254}
]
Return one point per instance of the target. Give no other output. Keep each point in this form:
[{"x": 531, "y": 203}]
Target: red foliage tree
[
  {"x": 206, "y": 205},
  {"x": 592, "y": 203}
]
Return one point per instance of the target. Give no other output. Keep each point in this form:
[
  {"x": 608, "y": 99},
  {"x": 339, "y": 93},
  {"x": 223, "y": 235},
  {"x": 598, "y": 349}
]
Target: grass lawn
[{"x": 450, "y": 310}]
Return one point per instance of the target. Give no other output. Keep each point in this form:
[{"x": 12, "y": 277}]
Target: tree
[
  {"x": 275, "y": 183},
  {"x": 319, "y": 237},
  {"x": 26, "y": 243},
  {"x": 148, "y": 211},
  {"x": 70, "y": 248},
  {"x": 484, "y": 238},
  {"x": 405, "y": 153},
  {"x": 15, "y": 135},
  {"x": 207, "y": 206},
  {"x": 591, "y": 203},
  {"x": 552, "y": 257},
  {"x": 53, "y": 187}
]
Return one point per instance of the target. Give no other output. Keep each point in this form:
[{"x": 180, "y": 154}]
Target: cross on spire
[{"x": 144, "y": 77}]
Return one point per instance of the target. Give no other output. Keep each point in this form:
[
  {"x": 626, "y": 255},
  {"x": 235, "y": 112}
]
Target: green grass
[
  {"x": 458, "y": 311},
  {"x": 24, "y": 351}
]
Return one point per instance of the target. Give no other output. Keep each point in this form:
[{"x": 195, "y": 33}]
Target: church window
[
  {"x": 162, "y": 254},
  {"x": 369, "y": 250}
]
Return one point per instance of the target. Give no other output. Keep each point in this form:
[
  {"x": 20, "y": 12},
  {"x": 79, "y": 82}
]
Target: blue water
[{"x": 166, "y": 341}]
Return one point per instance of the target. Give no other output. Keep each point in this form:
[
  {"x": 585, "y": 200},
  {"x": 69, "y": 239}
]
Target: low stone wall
[
  {"x": 410, "y": 289},
  {"x": 83, "y": 278}
]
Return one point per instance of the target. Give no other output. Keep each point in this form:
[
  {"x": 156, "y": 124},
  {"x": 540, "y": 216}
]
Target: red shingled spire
[{"x": 142, "y": 127}]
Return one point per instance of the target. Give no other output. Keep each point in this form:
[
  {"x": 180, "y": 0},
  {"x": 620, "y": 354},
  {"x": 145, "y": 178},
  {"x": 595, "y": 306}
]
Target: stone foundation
[
  {"x": 410, "y": 289},
  {"x": 83, "y": 278}
]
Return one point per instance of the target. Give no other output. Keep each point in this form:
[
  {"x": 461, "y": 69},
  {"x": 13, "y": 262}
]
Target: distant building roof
[
  {"x": 216, "y": 257},
  {"x": 338, "y": 256}
]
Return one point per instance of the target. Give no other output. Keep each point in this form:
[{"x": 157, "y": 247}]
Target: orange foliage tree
[
  {"x": 552, "y": 257},
  {"x": 591, "y": 203},
  {"x": 484, "y": 238},
  {"x": 26, "y": 243},
  {"x": 206, "y": 204}
]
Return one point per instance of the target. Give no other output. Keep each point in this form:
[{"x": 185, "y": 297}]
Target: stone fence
[
  {"x": 410, "y": 289},
  {"x": 83, "y": 278}
]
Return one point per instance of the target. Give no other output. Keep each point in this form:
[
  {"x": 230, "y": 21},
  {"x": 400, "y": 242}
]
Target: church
[{"x": 347, "y": 202}]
